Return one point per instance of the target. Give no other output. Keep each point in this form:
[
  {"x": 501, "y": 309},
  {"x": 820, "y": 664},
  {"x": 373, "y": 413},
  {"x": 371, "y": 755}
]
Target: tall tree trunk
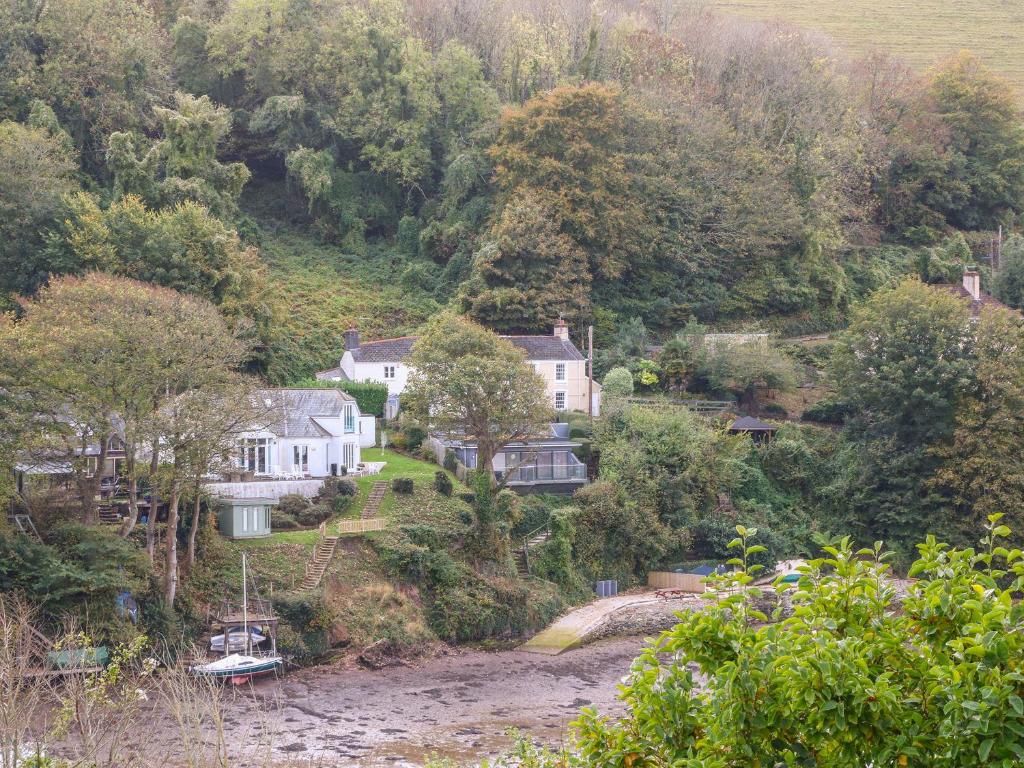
[
  {"x": 154, "y": 465},
  {"x": 193, "y": 529},
  {"x": 171, "y": 561},
  {"x": 89, "y": 487},
  {"x": 133, "y": 490}
]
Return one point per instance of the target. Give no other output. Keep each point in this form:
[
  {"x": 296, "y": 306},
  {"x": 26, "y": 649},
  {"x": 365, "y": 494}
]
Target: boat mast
[{"x": 245, "y": 609}]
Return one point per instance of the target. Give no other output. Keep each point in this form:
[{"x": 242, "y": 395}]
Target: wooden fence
[
  {"x": 690, "y": 582},
  {"x": 362, "y": 526}
]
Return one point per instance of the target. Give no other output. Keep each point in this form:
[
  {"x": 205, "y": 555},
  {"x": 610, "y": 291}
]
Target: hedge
[{"x": 370, "y": 396}]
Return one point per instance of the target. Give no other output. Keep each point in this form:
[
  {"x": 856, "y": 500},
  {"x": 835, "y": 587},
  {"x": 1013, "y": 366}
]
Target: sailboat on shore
[{"x": 249, "y": 663}]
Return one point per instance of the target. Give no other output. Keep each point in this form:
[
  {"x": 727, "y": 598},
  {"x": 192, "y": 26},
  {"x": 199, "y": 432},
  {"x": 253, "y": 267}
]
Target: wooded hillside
[{"x": 312, "y": 165}]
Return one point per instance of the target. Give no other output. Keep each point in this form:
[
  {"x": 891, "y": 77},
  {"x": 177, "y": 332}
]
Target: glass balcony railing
[{"x": 548, "y": 474}]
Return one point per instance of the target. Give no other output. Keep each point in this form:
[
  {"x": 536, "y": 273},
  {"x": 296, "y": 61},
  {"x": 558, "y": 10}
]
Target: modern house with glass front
[
  {"x": 310, "y": 433},
  {"x": 544, "y": 464}
]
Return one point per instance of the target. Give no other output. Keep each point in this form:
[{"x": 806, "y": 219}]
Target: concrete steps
[
  {"x": 317, "y": 565},
  {"x": 521, "y": 554}
]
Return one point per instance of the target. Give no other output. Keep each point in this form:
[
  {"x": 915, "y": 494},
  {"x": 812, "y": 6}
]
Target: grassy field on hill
[{"x": 920, "y": 31}]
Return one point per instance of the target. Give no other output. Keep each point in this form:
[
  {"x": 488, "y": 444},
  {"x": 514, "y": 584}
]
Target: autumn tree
[
  {"x": 576, "y": 150},
  {"x": 182, "y": 247},
  {"x": 529, "y": 272}
]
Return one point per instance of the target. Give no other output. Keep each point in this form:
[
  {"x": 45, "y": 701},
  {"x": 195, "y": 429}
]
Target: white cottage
[
  {"x": 310, "y": 433},
  {"x": 562, "y": 366}
]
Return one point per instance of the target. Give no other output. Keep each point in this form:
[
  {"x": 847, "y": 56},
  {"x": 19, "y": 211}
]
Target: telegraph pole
[{"x": 590, "y": 371}]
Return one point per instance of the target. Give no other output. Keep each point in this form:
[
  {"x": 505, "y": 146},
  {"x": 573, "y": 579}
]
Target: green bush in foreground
[{"x": 847, "y": 679}]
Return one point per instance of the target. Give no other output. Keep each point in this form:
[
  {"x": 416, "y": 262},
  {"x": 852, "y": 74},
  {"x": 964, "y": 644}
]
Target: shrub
[
  {"x": 334, "y": 487},
  {"x": 280, "y": 521},
  {"x": 340, "y": 503},
  {"x": 402, "y": 485},
  {"x": 828, "y": 411},
  {"x": 451, "y": 462},
  {"x": 314, "y": 514},
  {"x": 427, "y": 454},
  {"x": 774, "y": 409},
  {"x": 712, "y": 536},
  {"x": 370, "y": 395},
  {"x": 618, "y": 382},
  {"x": 443, "y": 483},
  {"x": 414, "y": 436},
  {"x": 292, "y": 504}
]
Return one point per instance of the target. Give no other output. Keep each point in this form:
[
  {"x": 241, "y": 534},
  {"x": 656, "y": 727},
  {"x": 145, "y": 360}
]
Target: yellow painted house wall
[{"x": 574, "y": 386}]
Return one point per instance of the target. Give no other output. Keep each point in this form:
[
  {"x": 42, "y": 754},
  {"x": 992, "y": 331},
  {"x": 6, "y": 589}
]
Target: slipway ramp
[{"x": 572, "y": 629}]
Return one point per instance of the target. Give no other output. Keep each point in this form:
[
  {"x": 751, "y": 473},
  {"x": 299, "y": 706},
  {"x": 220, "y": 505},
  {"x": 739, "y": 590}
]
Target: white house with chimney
[{"x": 562, "y": 366}]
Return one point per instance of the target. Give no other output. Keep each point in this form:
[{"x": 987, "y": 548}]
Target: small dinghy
[
  {"x": 240, "y": 636},
  {"x": 239, "y": 668},
  {"x": 236, "y": 641}
]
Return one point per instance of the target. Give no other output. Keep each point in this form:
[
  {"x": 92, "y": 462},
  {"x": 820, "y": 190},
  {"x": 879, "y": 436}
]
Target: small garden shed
[{"x": 244, "y": 518}]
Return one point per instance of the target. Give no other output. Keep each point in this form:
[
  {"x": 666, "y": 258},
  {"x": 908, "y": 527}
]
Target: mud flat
[{"x": 456, "y": 706}]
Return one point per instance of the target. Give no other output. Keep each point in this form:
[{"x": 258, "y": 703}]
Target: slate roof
[
  {"x": 985, "y": 299},
  {"x": 384, "y": 351},
  {"x": 332, "y": 373},
  {"x": 294, "y": 411},
  {"x": 535, "y": 348}
]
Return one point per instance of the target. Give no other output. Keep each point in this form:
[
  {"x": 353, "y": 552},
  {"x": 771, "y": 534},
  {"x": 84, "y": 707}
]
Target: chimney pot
[
  {"x": 561, "y": 329},
  {"x": 351, "y": 339}
]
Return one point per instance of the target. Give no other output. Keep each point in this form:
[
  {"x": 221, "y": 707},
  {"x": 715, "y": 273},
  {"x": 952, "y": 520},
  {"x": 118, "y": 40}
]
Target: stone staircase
[
  {"x": 377, "y": 493},
  {"x": 317, "y": 565},
  {"x": 522, "y": 555}
]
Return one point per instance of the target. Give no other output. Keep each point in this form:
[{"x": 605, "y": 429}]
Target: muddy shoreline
[{"x": 458, "y": 706}]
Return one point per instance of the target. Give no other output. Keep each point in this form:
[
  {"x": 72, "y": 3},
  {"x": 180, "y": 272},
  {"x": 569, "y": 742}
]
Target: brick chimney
[
  {"x": 561, "y": 329},
  {"x": 351, "y": 339},
  {"x": 972, "y": 283}
]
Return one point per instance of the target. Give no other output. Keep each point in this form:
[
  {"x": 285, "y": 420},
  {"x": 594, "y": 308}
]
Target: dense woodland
[{"x": 513, "y": 159}]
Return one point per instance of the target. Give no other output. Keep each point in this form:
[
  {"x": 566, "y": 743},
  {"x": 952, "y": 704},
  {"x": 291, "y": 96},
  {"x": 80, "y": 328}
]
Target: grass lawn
[
  {"x": 398, "y": 465},
  {"x": 920, "y": 31}
]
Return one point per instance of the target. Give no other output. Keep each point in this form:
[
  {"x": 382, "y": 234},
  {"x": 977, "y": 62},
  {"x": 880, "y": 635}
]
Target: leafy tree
[
  {"x": 853, "y": 676},
  {"x": 182, "y": 247},
  {"x": 182, "y": 165},
  {"x": 981, "y": 463},
  {"x": 574, "y": 148},
  {"x": 902, "y": 367},
  {"x": 986, "y": 141},
  {"x": 99, "y": 63},
  {"x": 529, "y": 273},
  {"x": 1008, "y": 284},
  {"x": 618, "y": 382},
  {"x": 467, "y": 381},
  {"x": 37, "y": 171}
]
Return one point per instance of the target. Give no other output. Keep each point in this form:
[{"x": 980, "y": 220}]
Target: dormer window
[
  {"x": 389, "y": 372},
  {"x": 559, "y": 371}
]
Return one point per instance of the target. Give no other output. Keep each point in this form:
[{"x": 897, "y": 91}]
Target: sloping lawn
[{"x": 398, "y": 465}]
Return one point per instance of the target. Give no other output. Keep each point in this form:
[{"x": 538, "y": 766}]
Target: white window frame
[
  {"x": 300, "y": 458},
  {"x": 560, "y": 372},
  {"x": 389, "y": 372},
  {"x": 565, "y": 401},
  {"x": 350, "y": 418},
  {"x": 348, "y": 455},
  {"x": 245, "y": 519}
]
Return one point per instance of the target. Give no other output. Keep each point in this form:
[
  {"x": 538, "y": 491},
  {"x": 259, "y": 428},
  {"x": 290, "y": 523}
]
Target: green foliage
[
  {"x": 1008, "y": 285},
  {"x": 79, "y": 572},
  {"x": 282, "y": 521},
  {"x": 618, "y": 382},
  {"x": 292, "y": 504},
  {"x": 443, "y": 483},
  {"x": 36, "y": 173},
  {"x": 371, "y": 396},
  {"x": 451, "y": 462},
  {"x": 402, "y": 485},
  {"x": 838, "y": 676}
]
